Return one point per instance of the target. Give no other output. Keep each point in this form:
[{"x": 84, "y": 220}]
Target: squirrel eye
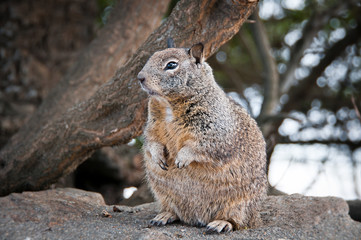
[{"x": 171, "y": 66}]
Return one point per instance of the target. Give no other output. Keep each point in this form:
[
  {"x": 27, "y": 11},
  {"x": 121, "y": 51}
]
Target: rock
[{"x": 76, "y": 214}]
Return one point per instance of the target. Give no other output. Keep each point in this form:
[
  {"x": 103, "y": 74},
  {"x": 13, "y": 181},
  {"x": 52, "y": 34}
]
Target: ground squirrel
[{"x": 204, "y": 155}]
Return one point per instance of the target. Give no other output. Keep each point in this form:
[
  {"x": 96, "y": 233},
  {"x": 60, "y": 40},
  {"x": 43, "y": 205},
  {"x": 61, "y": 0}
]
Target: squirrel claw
[
  {"x": 218, "y": 226},
  {"x": 163, "y": 166},
  {"x": 182, "y": 164},
  {"x": 162, "y": 163},
  {"x": 163, "y": 219}
]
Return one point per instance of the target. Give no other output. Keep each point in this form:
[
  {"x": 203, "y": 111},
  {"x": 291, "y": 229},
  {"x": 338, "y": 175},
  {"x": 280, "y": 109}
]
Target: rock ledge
[{"x": 75, "y": 214}]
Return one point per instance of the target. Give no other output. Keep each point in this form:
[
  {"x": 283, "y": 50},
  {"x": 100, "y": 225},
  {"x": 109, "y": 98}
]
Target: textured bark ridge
[
  {"x": 83, "y": 113},
  {"x": 76, "y": 214}
]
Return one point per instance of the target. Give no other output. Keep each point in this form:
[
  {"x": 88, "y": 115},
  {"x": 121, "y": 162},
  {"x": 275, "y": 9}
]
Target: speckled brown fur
[{"x": 204, "y": 155}]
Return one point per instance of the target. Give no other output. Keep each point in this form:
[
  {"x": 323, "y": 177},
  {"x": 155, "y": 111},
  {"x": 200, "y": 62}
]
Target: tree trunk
[
  {"x": 37, "y": 45},
  {"x": 92, "y": 114}
]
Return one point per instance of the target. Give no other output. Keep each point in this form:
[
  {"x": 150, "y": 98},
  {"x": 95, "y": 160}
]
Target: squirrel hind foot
[
  {"x": 164, "y": 218},
  {"x": 218, "y": 226}
]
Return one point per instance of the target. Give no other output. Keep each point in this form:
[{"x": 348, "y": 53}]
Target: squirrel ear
[
  {"x": 196, "y": 51},
  {"x": 170, "y": 43}
]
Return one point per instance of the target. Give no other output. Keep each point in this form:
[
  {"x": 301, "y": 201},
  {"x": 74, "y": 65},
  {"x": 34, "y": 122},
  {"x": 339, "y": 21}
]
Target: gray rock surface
[{"x": 76, "y": 214}]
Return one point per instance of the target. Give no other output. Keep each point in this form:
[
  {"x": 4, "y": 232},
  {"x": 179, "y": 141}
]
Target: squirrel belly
[{"x": 204, "y": 155}]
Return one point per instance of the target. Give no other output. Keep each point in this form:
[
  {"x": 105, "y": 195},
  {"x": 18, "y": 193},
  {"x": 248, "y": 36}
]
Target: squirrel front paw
[
  {"x": 155, "y": 151},
  {"x": 184, "y": 157}
]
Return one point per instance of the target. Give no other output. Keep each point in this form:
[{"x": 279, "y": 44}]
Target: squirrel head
[{"x": 176, "y": 73}]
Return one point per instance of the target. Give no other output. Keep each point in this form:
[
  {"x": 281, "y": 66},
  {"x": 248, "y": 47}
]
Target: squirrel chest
[{"x": 167, "y": 127}]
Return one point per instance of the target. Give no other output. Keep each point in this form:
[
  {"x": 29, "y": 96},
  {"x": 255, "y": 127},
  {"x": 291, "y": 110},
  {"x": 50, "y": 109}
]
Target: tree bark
[{"x": 114, "y": 112}]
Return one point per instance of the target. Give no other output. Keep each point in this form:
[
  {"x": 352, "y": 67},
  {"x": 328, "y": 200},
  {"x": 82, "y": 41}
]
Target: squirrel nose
[{"x": 141, "y": 77}]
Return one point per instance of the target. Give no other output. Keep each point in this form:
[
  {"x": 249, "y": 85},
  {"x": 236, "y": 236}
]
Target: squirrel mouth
[{"x": 148, "y": 90}]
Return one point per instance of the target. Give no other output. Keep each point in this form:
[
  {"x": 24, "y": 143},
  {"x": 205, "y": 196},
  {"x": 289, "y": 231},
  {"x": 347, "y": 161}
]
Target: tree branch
[
  {"x": 270, "y": 73},
  {"x": 116, "y": 112},
  {"x": 297, "y": 93},
  {"x": 352, "y": 145},
  {"x": 317, "y": 21}
]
